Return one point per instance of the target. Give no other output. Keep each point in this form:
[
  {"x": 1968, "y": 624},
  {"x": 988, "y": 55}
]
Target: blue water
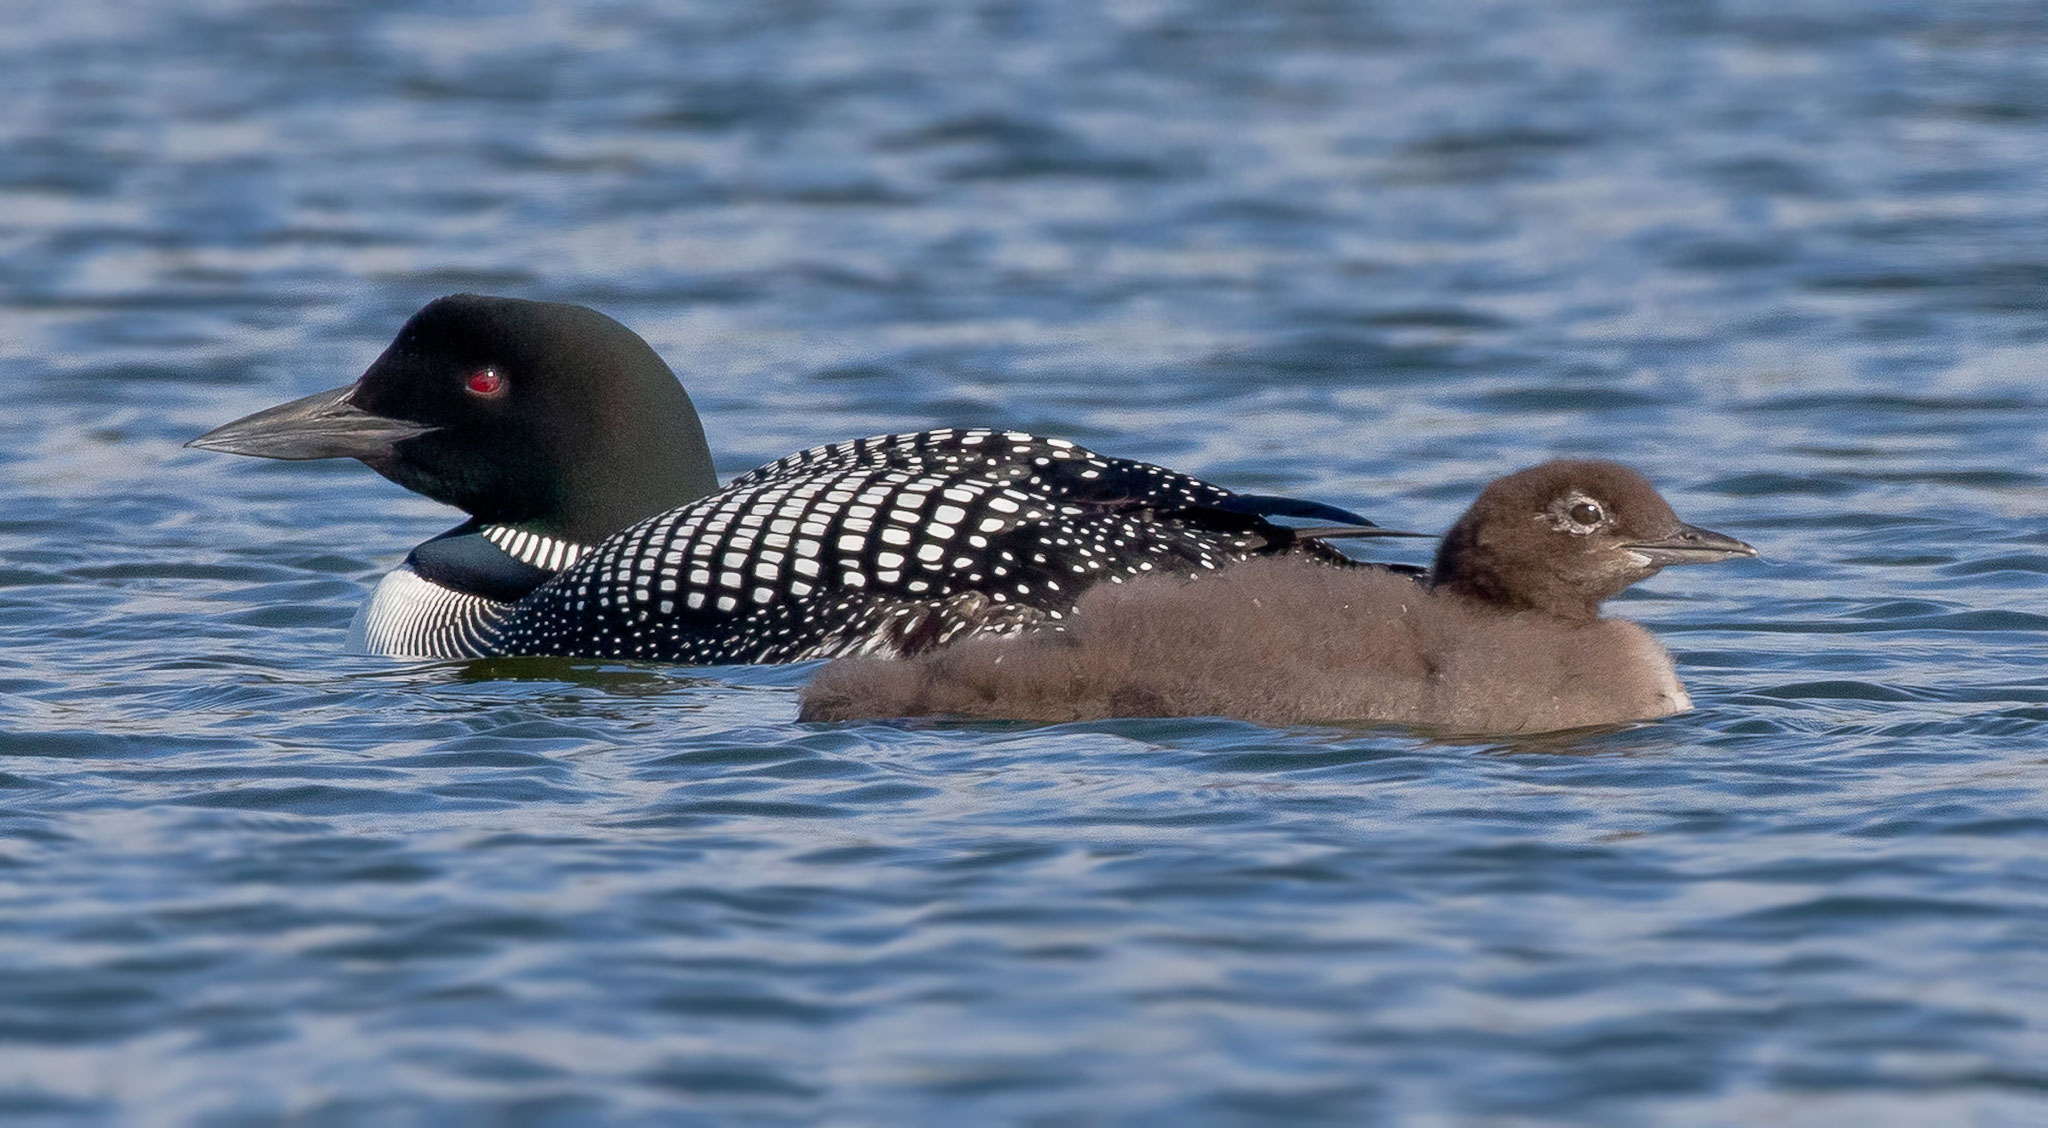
[{"x": 1788, "y": 258}]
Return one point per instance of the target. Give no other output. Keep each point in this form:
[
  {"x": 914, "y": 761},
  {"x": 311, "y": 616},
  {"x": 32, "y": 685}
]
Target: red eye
[{"x": 486, "y": 382}]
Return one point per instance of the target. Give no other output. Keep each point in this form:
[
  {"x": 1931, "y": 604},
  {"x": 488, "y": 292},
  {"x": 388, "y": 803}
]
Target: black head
[
  {"x": 547, "y": 416},
  {"x": 1562, "y": 537}
]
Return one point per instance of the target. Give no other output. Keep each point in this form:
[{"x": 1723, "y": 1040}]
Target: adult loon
[
  {"x": 597, "y": 527},
  {"x": 1504, "y": 636}
]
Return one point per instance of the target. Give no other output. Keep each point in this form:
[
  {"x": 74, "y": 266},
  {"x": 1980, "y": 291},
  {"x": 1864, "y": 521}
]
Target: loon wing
[
  {"x": 894, "y": 544},
  {"x": 1058, "y": 471},
  {"x": 828, "y": 562}
]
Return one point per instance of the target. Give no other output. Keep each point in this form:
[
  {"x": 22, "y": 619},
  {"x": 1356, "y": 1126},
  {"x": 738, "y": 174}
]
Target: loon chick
[
  {"x": 597, "y": 527},
  {"x": 1504, "y": 636}
]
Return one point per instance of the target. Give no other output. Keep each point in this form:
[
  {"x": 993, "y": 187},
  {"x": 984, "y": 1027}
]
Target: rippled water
[{"x": 1790, "y": 259}]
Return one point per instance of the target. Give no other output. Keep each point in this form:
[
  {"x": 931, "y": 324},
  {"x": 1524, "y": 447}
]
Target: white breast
[
  {"x": 410, "y": 617},
  {"x": 1657, "y": 670}
]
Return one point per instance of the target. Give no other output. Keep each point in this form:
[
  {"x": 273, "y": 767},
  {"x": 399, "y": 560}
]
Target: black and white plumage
[
  {"x": 886, "y": 545},
  {"x": 447, "y": 597}
]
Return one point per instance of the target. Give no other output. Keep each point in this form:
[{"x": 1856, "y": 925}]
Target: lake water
[{"x": 1788, "y": 258}]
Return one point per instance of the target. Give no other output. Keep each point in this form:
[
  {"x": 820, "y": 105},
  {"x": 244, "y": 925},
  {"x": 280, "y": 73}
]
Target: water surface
[{"x": 1790, "y": 260}]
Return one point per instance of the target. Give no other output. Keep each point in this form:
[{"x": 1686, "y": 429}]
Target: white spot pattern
[{"x": 894, "y": 573}]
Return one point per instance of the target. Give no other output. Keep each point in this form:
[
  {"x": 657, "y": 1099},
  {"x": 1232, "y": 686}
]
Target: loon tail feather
[
  {"x": 1271, "y": 505},
  {"x": 1339, "y": 532}
]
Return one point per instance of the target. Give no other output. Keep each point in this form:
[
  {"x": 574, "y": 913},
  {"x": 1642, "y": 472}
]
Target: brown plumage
[{"x": 1505, "y": 636}]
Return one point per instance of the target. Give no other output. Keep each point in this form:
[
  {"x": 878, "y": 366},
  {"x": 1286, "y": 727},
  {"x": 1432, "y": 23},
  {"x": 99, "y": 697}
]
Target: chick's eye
[
  {"x": 1585, "y": 513},
  {"x": 486, "y": 382}
]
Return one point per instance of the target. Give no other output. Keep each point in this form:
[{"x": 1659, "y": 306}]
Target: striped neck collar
[{"x": 548, "y": 553}]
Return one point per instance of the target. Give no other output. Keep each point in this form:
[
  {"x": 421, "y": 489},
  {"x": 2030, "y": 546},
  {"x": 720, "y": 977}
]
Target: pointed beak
[
  {"x": 1689, "y": 545},
  {"x": 322, "y": 425}
]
